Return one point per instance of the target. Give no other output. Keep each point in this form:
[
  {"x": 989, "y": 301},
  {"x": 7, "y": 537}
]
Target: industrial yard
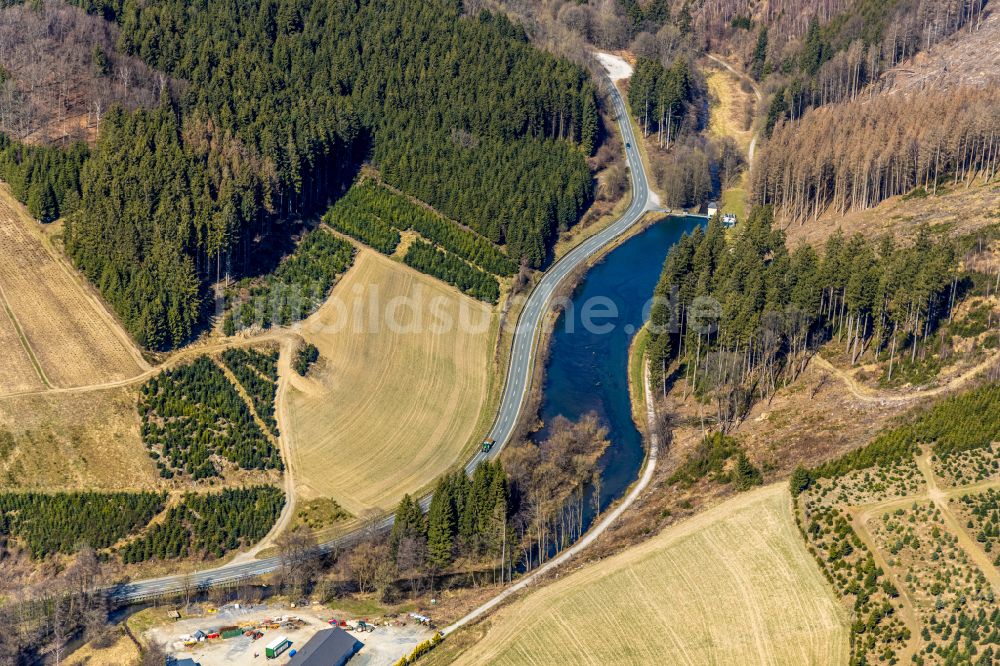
[{"x": 239, "y": 634}]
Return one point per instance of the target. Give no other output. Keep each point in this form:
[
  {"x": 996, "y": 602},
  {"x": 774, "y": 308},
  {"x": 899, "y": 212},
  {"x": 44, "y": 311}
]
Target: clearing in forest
[
  {"x": 733, "y": 585},
  {"x": 87, "y": 440},
  {"x": 53, "y": 330},
  {"x": 396, "y": 394}
]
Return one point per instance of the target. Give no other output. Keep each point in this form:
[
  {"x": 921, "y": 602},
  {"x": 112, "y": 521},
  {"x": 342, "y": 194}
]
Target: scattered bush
[{"x": 305, "y": 356}]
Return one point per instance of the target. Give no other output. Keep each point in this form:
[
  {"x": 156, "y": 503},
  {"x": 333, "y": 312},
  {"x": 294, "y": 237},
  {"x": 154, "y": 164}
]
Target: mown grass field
[
  {"x": 52, "y": 329},
  {"x": 733, "y": 585},
  {"x": 387, "y": 408}
]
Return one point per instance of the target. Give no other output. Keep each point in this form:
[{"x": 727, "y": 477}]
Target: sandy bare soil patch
[
  {"x": 387, "y": 408},
  {"x": 616, "y": 66},
  {"x": 80, "y": 441},
  {"x": 733, "y": 585},
  {"x": 75, "y": 341}
]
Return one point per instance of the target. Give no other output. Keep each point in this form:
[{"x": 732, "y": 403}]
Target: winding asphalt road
[{"x": 514, "y": 394}]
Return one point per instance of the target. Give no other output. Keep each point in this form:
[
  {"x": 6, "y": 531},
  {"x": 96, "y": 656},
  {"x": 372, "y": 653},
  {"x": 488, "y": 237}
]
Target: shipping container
[{"x": 276, "y": 647}]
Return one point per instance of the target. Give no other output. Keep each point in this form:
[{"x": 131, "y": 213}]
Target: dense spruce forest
[
  {"x": 63, "y": 522},
  {"x": 279, "y": 102},
  {"x": 209, "y": 525},
  {"x": 744, "y": 314},
  {"x": 44, "y": 178},
  {"x": 193, "y": 418}
]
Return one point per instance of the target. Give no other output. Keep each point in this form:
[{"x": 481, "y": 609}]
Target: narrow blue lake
[{"x": 588, "y": 365}]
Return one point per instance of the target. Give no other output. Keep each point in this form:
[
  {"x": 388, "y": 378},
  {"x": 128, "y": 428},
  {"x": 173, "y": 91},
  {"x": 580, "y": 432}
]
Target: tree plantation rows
[
  {"x": 877, "y": 632},
  {"x": 201, "y": 525},
  {"x": 742, "y": 315},
  {"x": 952, "y": 602},
  {"x": 277, "y": 102},
  {"x": 62, "y": 522},
  {"x": 445, "y": 266},
  {"x": 402, "y": 214},
  {"x": 209, "y": 525},
  {"x": 352, "y": 216},
  {"x": 375, "y": 215},
  {"x": 193, "y": 419},
  {"x": 257, "y": 373},
  {"x": 856, "y": 154},
  {"x": 297, "y": 286}
]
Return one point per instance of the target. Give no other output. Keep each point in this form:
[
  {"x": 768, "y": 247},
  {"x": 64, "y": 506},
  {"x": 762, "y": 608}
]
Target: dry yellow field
[
  {"x": 728, "y": 108},
  {"x": 87, "y": 440},
  {"x": 733, "y": 585},
  {"x": 388, "y": 407},
  {"x": 123, "y": 652},
  {"x": 73, "y": 339}
]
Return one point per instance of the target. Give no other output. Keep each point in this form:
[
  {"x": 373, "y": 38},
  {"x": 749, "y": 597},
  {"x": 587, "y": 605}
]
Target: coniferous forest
[
  {"x": 257, "y": 373},
  {"x": 211, "y": 524},
  {"x": 380, "y": 207},
  {"x": 45, "y": 179},
  {"x": 202, "y": 524},
  {"x": 441, "y": 264},
  {"x": 744, "y": 314},
  {"x": 961, "y": 422},
  {"x": 296, "y": 288},
  {"x": 62, "y": 522},
  {"x": 275, "y": 103},
  {"x": 193, "y": 419}
]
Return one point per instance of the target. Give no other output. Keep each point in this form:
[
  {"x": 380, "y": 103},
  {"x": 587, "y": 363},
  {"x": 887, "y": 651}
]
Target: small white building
[{"x": 713, "y": 208}]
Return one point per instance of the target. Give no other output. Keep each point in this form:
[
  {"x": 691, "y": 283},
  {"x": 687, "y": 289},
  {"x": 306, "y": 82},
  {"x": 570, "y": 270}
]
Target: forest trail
[
  {"x": 175, "y": 360},
  {"x": 940, "y": 499},
  {"x": 284, "y": 443},
  {"x": 907, "y": 607},
  {"x": 868, "y": 394},
  {"x": 861, "y": 514},
  {"x": 752, "y": 149}
]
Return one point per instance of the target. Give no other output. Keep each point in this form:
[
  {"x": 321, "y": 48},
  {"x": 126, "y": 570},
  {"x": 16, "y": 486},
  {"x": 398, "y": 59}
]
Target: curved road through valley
[{"x": 515, "y": 389}]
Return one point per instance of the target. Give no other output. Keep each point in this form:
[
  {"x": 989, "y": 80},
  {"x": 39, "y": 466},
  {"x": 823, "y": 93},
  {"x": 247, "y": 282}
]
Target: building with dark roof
[{"x": 329, "y": 647}]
